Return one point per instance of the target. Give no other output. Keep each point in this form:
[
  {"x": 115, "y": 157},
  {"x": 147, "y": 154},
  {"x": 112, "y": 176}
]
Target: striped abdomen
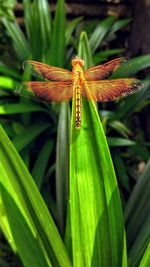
[{"x": 78, "y": 105}]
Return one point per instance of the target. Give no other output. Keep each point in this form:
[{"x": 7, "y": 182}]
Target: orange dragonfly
[{"x": 65, "y": 84}]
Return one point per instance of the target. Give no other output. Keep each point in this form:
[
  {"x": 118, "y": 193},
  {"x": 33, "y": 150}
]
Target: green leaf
[
  {"x": 8, "y": 71},
  {"x": 29, "y": 135},
  {"x": 146, "y": 258},
  {"x": 56, "y": 54},
  {"x": 103, "y": 55},
  {"x": 71, "y": 27},
  {"x": 38, "y": 26},
  {"x": 62, "y": 164},
  {"x": 27, "y": 213},
  {"x": 32, "y": 28},
  {"x": 141, "y": 150},
  {"x": 4, "y": 225},
  {"x": 140, "y": 244},
  {"x": 120, "y": 128},
  {"x": 132, "y": 66},
  {"x": 19, "y": 41},
  {"x": 7, "y": 83},
  {"x": 14, "y": 211},
  {"x": 137, "y": 218},
  {"x": 41, "y": 162},
  {"x": 84, "y": 50},
  {"x": 121, "y": 170},
  {"x": 135, "y": 207},
  {"x": 129, "y": 105},
  {"x": 116, "y": 141},
  {"x": 100, "y": 32},
  {"x": 97, "y": 228},
  {"x": 44, "y": 20},
  {"x": 120, "y": 24},
  {"x": 15, "y": 108},
  {"x": 6, "y": 9}
]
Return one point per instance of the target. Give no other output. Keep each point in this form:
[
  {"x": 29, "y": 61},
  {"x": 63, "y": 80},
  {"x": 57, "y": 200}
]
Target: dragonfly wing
[
  {"x": 110, "y": 89},
  {"x": 50, "y": 91},
  {"x": 102, "y": 71},
  {"x": 45, "y": 71}
]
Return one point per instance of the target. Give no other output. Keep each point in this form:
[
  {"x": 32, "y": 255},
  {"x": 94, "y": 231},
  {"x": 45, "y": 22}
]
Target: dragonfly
[{"x": 61, "y": 84}]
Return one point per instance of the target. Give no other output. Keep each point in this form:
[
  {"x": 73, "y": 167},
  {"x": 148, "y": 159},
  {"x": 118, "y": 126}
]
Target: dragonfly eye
[{"x": 77, "y": 60}]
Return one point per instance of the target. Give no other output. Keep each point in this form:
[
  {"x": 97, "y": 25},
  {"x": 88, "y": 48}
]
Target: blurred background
[{"x": 47, "y": 32}]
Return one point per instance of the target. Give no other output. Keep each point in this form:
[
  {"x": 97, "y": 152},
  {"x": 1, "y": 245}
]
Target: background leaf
[{"x": 57, "y": 50}]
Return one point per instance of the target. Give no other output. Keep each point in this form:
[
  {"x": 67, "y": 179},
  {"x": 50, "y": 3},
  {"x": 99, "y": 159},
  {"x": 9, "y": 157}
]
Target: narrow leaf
[
  {"x": 57, "y": 50},
  {"x": 62, "y": 164},
  {"x": 16, "y": 108},
  {"x": 71, "y": 27},
  {"x": 20, "y": 43},
  {"x": 8, "y": 71},
  {"x": 29, "y": 135},
  {"x": 146, "y": 258},
  {"x": 132, "y": 66},
  {"x": 100, "y": 32},
  {"x": 41, "y": 162},
  {"x": 116, "y": 141},
  {"x": 138, "y": 205}
]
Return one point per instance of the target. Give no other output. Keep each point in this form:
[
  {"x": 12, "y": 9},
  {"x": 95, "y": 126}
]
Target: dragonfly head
[{"x": 77, "y": 60}]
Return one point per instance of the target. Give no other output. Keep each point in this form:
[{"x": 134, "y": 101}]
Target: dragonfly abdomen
[{"x": 78, "y": 106}]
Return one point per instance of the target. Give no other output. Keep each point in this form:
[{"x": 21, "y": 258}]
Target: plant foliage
[{"x": 87, "y": 208}]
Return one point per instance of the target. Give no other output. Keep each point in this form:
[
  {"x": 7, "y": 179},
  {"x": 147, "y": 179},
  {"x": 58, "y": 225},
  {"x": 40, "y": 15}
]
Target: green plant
[{"x": 22, "y": 210}]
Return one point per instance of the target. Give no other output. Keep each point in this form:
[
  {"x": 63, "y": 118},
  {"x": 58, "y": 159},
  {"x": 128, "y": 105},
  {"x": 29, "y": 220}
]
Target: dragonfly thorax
[{"x": 77, "y": 61}]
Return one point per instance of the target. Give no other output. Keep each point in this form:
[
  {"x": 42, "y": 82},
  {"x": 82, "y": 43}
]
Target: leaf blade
[
  {"x": 30, "y": 200},
  {"x": 97, "y": 239}
]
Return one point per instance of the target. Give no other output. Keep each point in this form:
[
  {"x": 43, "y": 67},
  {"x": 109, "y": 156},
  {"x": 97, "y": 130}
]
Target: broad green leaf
[
  {"x": 100, "y": 32},
  {"x": 97, "y": 228},
  {"x": 62, "y": 164},
  {"x": 27, "y": 213}
]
